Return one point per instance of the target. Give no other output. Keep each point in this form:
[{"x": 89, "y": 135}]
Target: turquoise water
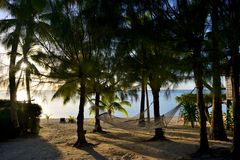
[{"x": 57, "y": 109}]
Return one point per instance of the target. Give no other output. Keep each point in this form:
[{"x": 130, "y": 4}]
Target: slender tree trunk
[
  {"x": 218, "y": 131},
  {"x": 98, "y": 127},
  {"x": 148, "y": 107},
  {"x": 26, "y": 48},
  {"x": 12, "y": 82},
  {"x": 81, "y": 140},
  {"x": 235, "y": 100},
  {"x": 159, "y": 134},
  {"x": 27, "y": 76},
  {"x": 142, "y": 103},
  {"x": 198, "y": 74},
  {"x": 156, "y": 107},
  {"x": 209, "y": 119},
  {"x": 203, "y": 129},
  {"x": 13, "y": 91},
  {"x": 192, "y": 124}
]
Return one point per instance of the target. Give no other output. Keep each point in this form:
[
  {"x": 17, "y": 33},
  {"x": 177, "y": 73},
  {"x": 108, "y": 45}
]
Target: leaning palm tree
[
  {"x": 12, "y": 40},
  {"x": 22, "y": 14}
]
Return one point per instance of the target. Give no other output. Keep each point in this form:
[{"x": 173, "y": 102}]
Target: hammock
[{"x": 136, "y": 123}]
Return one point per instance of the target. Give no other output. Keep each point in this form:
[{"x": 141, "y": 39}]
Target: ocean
[{"x": 56, "y": 109}]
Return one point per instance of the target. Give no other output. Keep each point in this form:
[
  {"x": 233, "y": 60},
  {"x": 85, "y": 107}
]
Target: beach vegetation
[
  {"x": 71, "y": 119},
  {"x": 189, "y": 111},
  {"x": 28, "y": 116},
  {"x": 47, "y": 117}
]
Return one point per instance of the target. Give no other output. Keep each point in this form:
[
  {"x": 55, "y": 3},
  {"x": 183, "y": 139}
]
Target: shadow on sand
[
  {"x": 90, "y": 150},
  {"x": 159, "y": 149},
  {"x": 28, "y": 148}
]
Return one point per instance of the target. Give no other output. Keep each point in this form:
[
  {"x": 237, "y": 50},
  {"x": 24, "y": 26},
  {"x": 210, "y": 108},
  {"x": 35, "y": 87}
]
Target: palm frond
[
  {"x": 125, "y": 103},
  {"x": 118, "y": 107},
  {"x": 67, "y": 90},
  {"x": 92, "y": 110}
]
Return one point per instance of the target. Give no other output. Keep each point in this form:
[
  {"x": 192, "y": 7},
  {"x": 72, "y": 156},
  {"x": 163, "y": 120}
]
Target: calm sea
[{"x": 57, "y": 109}]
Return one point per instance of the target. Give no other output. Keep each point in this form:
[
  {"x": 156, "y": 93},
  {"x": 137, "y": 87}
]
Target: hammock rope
[{"x": 134, "y": 122}]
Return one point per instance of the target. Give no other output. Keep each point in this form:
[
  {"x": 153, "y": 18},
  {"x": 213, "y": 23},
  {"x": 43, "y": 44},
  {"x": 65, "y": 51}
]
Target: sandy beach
[{"x": 56, "y": 140}]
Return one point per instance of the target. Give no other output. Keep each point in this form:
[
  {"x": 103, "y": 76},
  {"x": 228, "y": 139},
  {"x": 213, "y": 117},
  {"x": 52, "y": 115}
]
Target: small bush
[
  {"x": 28, "y": 117},
  {"x": 47, "y": 117},
  {"x": 71, "y": 119}
]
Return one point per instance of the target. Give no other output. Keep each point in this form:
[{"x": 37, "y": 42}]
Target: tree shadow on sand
[
  {"x": 170, "y": 149},
  {"x": 90, "y": 150},
  {"x": 28, "y": 148}
]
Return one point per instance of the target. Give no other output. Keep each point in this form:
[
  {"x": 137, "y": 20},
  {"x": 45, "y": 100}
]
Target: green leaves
[
  {"x": 112, "y": 103},
  {"x": 38, "y": 5},
  {"x": 67, "y": 91}
]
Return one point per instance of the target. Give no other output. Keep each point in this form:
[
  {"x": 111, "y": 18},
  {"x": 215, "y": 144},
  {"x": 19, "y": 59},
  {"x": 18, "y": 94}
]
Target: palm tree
[
  {"x": 70, "y": 62},
  {"x": 111, "y": 102},
  {"x": 12, "y": 39},
  {"x": 72, "y": 56},
  {"x": 21, "y": 12},
  {"x": 161, "y": 74},
  {"x": 231, "y": 29},
  {"x": 97, "y": 86},
  {"x": 191, "y": 18},
  {"x": 218, "y": 131},
  {"x": 133, "y": 46},
  {"x": 143, "y": 32}
]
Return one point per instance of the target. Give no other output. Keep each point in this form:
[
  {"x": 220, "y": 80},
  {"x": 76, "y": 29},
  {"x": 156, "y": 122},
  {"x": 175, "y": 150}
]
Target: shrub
[
  {"x": 28, "y": 116},
  {"x": 47, "y": 117},
  {"x": 71, "y": 119},
  {"x": 189, "y": 109}
]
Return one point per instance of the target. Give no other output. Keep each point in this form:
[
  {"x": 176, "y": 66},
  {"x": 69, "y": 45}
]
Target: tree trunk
[
  {"x": 198, "y": 74},
  {"x": 26, "y": 48},
  {"x": 81, "y": 141},
  {"x": 156, "y": 107},
  {"x": 12, "y": 82},
  {"x": 27, "y": 76},
  {"x": 13, "y": 91},
  {"x": 192, "y": 124},
  {"x": 159, "y": 134},
  {"x": 142, "y": 103},
  {"x": 209, "y": 119},
  {"x": 98, "y": 127},
  {"x": 148, "y": 107},
  {"x": 235, "y": 100},
  {"x": 218, "y": 131}
]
